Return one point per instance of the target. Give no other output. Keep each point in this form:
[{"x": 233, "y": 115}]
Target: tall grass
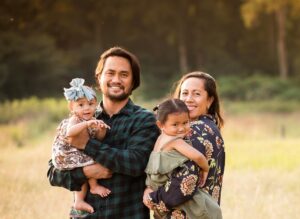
[
  {"x": 261, "y": 176},
  {"x": 262, "y": 165}
]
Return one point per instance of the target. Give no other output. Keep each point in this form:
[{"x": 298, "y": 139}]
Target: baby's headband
[{"x": 78, "y": 90}]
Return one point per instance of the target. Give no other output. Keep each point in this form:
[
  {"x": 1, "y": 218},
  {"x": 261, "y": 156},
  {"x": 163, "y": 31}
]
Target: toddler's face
[
  {"x": 83, "y": 108},
  {"x": 177, "y": 124}
]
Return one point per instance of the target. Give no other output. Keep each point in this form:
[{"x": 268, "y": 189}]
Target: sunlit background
[{"x": 251, "y": 47}]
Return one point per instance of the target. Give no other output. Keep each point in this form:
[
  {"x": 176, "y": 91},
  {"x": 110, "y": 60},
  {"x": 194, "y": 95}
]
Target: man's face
[{"x": 116, "y": 79}]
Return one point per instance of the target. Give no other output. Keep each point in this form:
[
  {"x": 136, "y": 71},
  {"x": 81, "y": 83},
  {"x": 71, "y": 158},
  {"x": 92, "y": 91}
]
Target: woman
[{"x": 198, "y": 90}]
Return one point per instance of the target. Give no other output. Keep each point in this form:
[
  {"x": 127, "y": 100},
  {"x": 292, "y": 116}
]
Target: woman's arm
[{"x": 181, "y": 187}]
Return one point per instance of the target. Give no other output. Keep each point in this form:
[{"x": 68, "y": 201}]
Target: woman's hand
[{"x": 146, "y": 199}]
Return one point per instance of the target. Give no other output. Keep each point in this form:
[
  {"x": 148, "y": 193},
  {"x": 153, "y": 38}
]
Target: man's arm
[
  {"x": 69, "y": 179},
  {"x": 74, "y": 179},
  {"x": 132, "y": 160}
]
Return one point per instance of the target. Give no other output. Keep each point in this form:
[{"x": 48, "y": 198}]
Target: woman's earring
[{"x": 207, "y": 108}]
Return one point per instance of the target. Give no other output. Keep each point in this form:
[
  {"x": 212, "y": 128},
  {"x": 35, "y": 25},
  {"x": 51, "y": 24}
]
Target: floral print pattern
[
  {"x": 206, "y": 137},
  {"x": 208, "y": 149},
  {"x": 178, "y": 214},
  {"x": 188, "y": 184},
  {"x": 181, "y": 186},
  {"x": 64, "y": 156}
]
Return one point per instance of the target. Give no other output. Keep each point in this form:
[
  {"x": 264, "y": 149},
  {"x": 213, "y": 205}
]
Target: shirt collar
[
  {"x": 206, "y": 116},
  {"x": 126, "y": 110}
]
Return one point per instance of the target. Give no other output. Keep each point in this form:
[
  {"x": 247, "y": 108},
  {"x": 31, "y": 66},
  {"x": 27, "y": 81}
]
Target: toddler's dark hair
[{"x": 168, "y": 107}]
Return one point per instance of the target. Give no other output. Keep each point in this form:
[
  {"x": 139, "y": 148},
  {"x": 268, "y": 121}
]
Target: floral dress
[
  {"x": 206, "y": 138},
  {"x": 65, "y": 156},
  {"x": 176, "y": 179}
]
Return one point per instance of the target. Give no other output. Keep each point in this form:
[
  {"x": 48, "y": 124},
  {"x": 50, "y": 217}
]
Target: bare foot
[
  {"x": 83, "y": 206},
  {"x": 100, "y": 190}
]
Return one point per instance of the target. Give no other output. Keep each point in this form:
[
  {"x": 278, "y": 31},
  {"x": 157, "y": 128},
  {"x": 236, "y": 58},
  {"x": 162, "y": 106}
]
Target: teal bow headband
[{"x": 78, "y": 90}]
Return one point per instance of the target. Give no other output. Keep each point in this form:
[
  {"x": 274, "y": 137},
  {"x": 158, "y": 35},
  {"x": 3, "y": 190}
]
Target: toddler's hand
[
  {"x": 102, "y": 129},
  {"x": 102, "y": 125},
  {"x": 99, "y": 124},
  {"x": 203, "y": 177}
]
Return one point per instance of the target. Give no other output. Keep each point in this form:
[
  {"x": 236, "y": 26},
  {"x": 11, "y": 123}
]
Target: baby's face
[
  {"x": 83, "y": 108},
  {"x": 177, "y": 124}
]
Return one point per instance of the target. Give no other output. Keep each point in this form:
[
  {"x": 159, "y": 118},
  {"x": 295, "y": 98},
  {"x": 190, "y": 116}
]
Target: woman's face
[{"x": 195, "y": 97}]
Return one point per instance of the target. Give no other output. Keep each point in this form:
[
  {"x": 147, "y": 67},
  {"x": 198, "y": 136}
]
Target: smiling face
[
  {"x": 195, "y": 96},
  {"x": 83, "y": 108},
  {"x": 116, "y": 79},
  {"x": 177, "y": 124}
]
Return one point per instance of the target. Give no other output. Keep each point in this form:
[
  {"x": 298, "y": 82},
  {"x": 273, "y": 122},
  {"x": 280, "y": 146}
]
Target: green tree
[{"x": 250, "y": 12}]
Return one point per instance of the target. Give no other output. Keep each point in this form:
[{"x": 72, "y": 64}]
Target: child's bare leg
[
  {"x": 95, "y": 188},
  {"x": 79, "y": 203}
]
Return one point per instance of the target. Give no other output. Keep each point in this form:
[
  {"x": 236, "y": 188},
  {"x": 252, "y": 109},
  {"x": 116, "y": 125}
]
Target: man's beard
[{"x": 118, "y": 98}]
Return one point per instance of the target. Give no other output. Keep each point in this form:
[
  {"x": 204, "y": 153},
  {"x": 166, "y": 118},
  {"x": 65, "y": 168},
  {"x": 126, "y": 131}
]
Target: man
[{"x": 123, "y": 154}]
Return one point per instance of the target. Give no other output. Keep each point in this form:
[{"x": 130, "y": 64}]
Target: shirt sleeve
[
  {"x": 133, "y": 159},
  {"x": 69, "y": 179}
]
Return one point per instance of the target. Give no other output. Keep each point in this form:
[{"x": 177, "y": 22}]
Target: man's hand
[{"x": 97, "y": 171}]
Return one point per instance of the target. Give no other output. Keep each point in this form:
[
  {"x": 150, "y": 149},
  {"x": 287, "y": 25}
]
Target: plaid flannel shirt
[{"x": 125, "y": 150}]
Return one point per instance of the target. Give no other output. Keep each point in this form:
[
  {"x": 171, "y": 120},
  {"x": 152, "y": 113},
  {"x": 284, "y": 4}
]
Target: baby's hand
[
  {"x": 203, "y": 177},
  {"x": 102, "y": 125},
  {"x": 97, "y": 124},
  {"x": 102, "y": 128}
]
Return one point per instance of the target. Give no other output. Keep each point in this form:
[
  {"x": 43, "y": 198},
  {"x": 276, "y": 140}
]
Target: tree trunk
[
  {"x": 182, "y": 57},
  {"x": 281, "y": 44},
  {"x": 182, "y": 47},
  {"x": 98, "y": 36}
]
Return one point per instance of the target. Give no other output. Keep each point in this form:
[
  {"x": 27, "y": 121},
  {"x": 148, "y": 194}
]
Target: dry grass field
[
  {"x": 263, "y": 167},
  {"x": 261, "y": 179}
]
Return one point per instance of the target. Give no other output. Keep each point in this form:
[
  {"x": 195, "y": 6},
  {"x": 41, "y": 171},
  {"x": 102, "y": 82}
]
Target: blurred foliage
[
  {"x": 27, "y": 119},
  {"x": 32, "y": 109},
  {"x": 258, "y": 87},
  {"x": 45, "y": 43}
]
